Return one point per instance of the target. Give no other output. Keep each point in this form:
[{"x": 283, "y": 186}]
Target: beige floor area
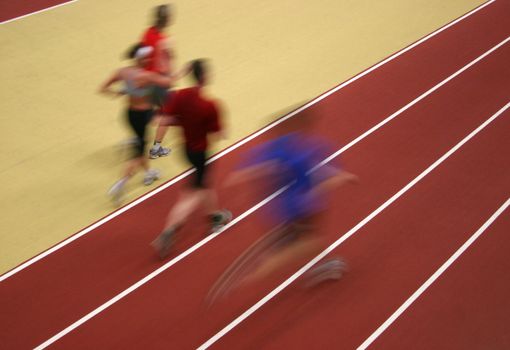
[{"x": 59, "y": 153}]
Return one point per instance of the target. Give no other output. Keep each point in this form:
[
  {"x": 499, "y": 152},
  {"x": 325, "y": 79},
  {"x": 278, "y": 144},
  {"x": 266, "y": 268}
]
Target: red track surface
[
  {"x": 466, "y": 308},
  {"x": 12, "y": 9},
  {"x": 390, "y": 257}
]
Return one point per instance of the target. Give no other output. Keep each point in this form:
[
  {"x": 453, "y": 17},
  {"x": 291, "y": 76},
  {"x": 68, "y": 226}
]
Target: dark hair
[
  {"x": 198, "y": 70},
  {"x": 133, "y": 49},
  {"x": 161, "y": 15}
]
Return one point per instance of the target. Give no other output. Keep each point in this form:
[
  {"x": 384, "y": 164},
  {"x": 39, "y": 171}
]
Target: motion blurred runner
[
  {"x": 198, "y": 117},
  {"x": 160, "y": 61},
  {"x": 138, "y": 82},
  {"x": 293, "y": 160}
]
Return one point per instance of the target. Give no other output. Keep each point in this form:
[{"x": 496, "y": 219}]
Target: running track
[
  {"x": 11, "y": 10},
  {"x": 436, "y": 94}
]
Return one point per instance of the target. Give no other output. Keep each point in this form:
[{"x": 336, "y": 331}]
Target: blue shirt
[{"x": 292, "y": 158}]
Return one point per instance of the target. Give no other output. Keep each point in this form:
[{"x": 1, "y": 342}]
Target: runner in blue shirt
[{"x": 294, "y": 160}]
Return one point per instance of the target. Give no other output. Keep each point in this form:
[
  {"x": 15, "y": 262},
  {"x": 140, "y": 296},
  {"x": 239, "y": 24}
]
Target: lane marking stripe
[
  {"x": 230, "y": 149},
  {"x": 38, "y": 11},
  {"x": 347, "y": 235},
  {"x": 239, "y": 218},
  {"x": 433, "y": 278}
]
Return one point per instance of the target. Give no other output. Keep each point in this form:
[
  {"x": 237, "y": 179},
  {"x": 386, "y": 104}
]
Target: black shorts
[
  {"x": 197, "y": 159},
  {"x": 138, "y": 121}
]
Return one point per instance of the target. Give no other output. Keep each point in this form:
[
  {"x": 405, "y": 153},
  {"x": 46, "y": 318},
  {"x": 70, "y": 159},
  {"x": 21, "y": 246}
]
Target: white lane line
[
  {"x": 39, "y": 11},
  {"x": 412, "y": 103},
  {"x": 154, "y": 273},
  {"x": 353, "y": 79},
  {"x": 231, "y": 148},
  {"x": 433, "y": 278},
  {"x": 349, "y": 233},
  {"x": 248, "y": 212}
]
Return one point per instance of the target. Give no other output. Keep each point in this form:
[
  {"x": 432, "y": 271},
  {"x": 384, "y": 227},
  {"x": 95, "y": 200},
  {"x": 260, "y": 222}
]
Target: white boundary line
[
  {"x": 433, "y": 278},
  {"x": 253, "y": 209},
  {"x": 349, "y": 233},
  {"x": 154, "y": 273},
  {"x": 350, "y": 81},
  {"x": 231, "y": 148},
  {"x": 36, "y": 12}
]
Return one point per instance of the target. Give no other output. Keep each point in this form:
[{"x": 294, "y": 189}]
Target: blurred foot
[
  {"x": 151, "y": 175},
  {"x": 116, "y": 192},
  {"x": 220, "y": 219},
  {"x": 329, "y": 270},
  {"x": 163, "y": 243},
  {"x": 160, "y": 151}
]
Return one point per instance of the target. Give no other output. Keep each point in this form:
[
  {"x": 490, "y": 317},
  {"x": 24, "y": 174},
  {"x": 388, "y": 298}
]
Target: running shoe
[
  {"x": 220, "y": 219},
  {"x": 116, "y": 192},
  {"x": 164, "y": 242},
  {"x": 159, "y": 152},
  {"x": 330, "y": 270},
  {"x": 150, "y": 176}
]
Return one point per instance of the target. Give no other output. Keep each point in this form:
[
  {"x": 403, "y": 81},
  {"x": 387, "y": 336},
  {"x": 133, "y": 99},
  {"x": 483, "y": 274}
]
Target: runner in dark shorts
[
  {"x": 293, "y": 160},
  {"x": 161, "y": 61},
  {"x": 197, "y": 159},
  {"x": 198, "y": 117},
  {"x": 137, "y": 81}
]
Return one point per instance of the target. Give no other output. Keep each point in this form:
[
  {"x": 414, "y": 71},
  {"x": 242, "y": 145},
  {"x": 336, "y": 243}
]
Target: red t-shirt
[
  {"x": 158, "y": 58},
  {"x": 196, "y": 115}
]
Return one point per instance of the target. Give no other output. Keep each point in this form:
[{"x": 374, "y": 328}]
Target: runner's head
[
  {"x": 162, "y": 16},
  {"x": 199, "y": 71},
  {"x": 141, "y": 54}
]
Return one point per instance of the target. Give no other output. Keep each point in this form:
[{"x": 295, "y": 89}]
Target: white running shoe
[
  {"x": 159, "y": 152},
  {"x": 150, "y": 176},
  {"x": 329, "y": 270},
  {"x": 116, "y": 192}
]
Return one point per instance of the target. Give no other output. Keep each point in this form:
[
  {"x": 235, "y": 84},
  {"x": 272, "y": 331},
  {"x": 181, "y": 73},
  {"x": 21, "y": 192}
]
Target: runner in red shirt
[
  {"x": 160, "y": 62},
  {"x": 198, "y": 117},
  {"x": 156, "y": 38}
]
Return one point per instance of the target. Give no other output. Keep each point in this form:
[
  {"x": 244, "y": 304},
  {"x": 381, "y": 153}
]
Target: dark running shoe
[
  {"x": 163, "y": 243},
  {"x": 219, "y": 220}
]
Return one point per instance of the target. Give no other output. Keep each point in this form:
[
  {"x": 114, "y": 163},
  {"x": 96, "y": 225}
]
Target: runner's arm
[
  {"x": 342, "y": 177},
  {"x": 215, "y": 128},
  {"x": 159, "y": 80},
  {"x": 185, "y": 70},
  {"x": 250, "y": 173},
  {"x": 105, "y": 87}
]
